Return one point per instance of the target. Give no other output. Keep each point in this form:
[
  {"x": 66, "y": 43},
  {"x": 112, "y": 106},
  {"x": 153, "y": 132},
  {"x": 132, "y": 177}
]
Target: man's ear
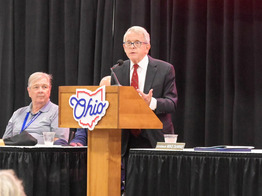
[
  {"x": 28, "y": 90},
  {"x": 148, "y": 46}
]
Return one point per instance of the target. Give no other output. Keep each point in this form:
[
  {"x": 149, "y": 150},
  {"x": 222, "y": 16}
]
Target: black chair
[{"x": 72, "y": 132}]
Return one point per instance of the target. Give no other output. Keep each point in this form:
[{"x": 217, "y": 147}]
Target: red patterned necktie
[
  {"x": 134, "y": 79},
  {"x": 134, "y": 83}
]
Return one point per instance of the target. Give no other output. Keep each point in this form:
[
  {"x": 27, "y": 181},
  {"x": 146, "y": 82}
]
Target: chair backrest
[{"x": 72, "y": 132}]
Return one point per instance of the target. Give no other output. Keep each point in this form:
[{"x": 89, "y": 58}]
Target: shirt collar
[
  {"x": 45, "y": 108},
  {"x": 143, "y": 63}
]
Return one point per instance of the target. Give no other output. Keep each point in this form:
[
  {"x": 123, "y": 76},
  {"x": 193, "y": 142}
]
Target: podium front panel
[{"x": 66, "y": 119}]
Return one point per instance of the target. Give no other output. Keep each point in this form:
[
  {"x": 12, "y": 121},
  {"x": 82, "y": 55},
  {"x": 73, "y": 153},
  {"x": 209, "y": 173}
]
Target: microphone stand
[
  {"x": 115, "y": 77},
  {"x": 119, "y": 63}
]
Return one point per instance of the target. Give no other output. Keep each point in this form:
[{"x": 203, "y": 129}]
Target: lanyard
[{"x": 30, "y": 122}]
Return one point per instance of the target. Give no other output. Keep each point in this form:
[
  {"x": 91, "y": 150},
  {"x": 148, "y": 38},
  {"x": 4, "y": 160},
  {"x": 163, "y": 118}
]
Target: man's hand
[
  {"x": 146, "y": 97},
  {"x": 75, "y": 144}
]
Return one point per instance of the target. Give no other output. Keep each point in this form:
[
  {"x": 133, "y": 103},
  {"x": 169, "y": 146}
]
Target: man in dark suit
[{"x": 156, "y": 85}]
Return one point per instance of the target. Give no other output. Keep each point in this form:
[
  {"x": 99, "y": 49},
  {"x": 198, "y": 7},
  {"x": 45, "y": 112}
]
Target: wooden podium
[{"x": 127, "y": 110}]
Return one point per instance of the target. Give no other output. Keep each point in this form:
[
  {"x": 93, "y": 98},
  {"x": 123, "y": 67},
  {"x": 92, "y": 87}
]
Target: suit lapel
[
  {"x": 150, "y": 74},
  {"x": 125, "y": 74}
]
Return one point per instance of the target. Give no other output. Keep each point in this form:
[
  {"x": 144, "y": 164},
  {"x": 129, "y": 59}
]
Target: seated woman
[{"x": 41, "y": 115}]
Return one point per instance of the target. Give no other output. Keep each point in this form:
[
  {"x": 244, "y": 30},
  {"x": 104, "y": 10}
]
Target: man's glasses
[{"x": 137, "y": 44}]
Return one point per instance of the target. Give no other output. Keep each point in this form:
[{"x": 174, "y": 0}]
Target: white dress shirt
[{"x": 141, "y": 71}]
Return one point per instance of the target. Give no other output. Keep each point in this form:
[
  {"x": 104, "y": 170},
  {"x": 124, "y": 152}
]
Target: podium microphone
[{"x": 119, "y": 63}]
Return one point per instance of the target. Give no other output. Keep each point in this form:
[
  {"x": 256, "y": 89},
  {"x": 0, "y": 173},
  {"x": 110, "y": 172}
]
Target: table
[
  {"x": 191, "y": 173},
  {"x": 48, "y": 170}
]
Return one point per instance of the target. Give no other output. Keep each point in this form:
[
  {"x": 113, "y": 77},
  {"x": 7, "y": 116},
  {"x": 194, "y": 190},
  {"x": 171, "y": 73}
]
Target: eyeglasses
[{"x": 137, "y": 44}]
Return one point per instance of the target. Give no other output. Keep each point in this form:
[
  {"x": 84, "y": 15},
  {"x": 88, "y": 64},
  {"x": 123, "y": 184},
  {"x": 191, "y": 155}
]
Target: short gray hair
[
  {"x": 39, "y": 75},
  {"x": 10, "y": 184},
  {"x": 138, "y": 29}
]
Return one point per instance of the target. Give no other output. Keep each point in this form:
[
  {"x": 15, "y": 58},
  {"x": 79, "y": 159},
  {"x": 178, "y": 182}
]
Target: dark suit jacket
[{"x": 160, "y": 77}]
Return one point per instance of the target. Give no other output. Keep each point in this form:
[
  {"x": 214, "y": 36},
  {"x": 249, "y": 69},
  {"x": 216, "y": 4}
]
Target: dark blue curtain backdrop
[{"x": 214, "y": 45}]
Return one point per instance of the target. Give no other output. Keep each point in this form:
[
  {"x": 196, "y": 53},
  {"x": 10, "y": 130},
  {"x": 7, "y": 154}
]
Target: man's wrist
[{"x": 153, "y": 103}]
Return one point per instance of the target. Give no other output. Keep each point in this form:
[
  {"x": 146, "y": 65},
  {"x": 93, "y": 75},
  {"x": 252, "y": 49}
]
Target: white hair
[
  {"x": 138, "y": 29},
  {"x": 10, "y": 185},
  {"x": 39, "y": 75}
]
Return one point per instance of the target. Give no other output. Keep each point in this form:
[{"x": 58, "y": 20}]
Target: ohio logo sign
[{"x": 89, "y": 107}]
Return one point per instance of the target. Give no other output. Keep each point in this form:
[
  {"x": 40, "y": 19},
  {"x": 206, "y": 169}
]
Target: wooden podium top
[{"x": 127, "y": 110}]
